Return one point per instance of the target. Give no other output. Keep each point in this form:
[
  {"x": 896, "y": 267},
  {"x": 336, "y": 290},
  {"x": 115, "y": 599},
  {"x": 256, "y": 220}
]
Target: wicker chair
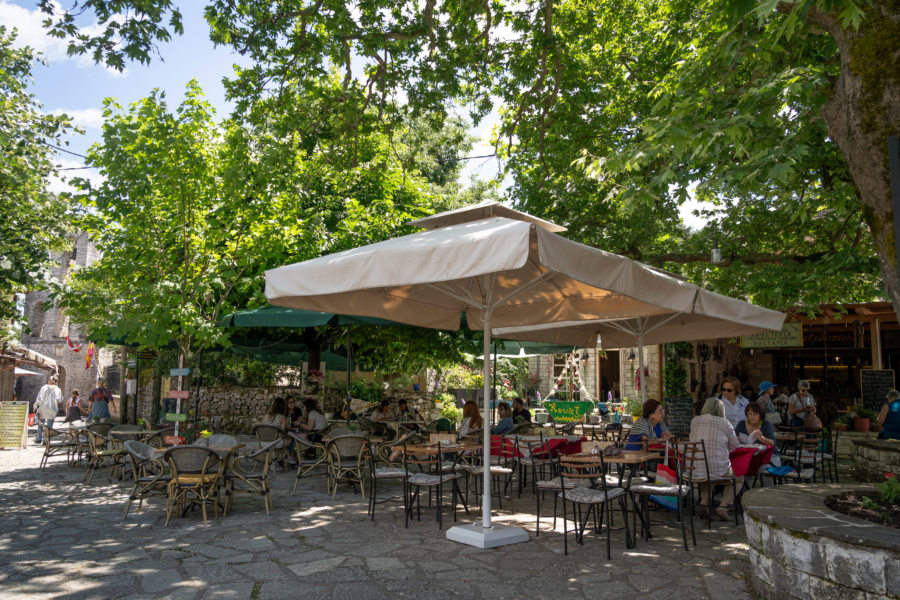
[
  {"x": 310, "y": 456},
  {"x": 102, "y": 452},
  {"x": 237, "y": 482},
  {"x": 196, "y": 473},
  {"x": 57, "y": 442},
  {"x": 158, "y": 439},
  {"x": 150, "y": 475},
  {"x": 346, "y": 462}
]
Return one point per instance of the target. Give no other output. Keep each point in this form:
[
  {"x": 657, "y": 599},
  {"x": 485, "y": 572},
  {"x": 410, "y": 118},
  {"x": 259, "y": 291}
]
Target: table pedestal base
[{"x": 476, "y": 535}]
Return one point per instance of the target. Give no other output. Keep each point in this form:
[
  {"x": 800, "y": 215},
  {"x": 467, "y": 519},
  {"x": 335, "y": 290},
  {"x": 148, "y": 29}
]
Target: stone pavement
[{"x": 64, "y": 540}]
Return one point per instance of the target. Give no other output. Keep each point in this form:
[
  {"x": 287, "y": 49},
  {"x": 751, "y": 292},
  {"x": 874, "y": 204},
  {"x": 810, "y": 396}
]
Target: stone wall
[
  {"x": 801, "y": 549},
  {"x": 873, "y": 458},
  {"x": 252, "y": 402}
]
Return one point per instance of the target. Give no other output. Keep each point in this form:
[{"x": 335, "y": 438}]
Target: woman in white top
[
  {"x": 719, "y": 440},
  {"x": 275, "y": 415},
  {"x": 471, "y": 419}
]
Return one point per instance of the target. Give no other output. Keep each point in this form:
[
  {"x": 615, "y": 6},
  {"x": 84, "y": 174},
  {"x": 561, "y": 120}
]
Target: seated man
[
  {"x": 506, "y": 422},
  {"x": 520, "y": 414},
  {"x": 407, "y": 416}
]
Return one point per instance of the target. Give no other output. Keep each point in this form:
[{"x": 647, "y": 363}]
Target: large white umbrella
[
  {"x": 711, "y": 316},
  {"x": 500, "y": 271}
]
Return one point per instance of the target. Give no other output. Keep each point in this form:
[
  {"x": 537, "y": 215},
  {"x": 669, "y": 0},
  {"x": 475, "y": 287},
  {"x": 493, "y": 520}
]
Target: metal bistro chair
[
  {"x": 501, "y": 466},
  {"x": 346, "y": 462},
  {"x": 694, "y": 456},
  {"x": 591, "y": 500},
  {"x": 532, "y": 454},
  {"x": 678, "y": 490},
  {"x": 150, "y": 475},
  {"x": 425, "y": 468},
  {"x": 385, "y": 463},
  {"x": 196, "y": 473}
]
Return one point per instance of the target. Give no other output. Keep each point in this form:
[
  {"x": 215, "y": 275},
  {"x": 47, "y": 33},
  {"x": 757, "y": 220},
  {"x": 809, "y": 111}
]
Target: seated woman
[
  {"x": 649, "y": 427},
  {"x": 889, "y": 417},
  {"x": 409, "y": 417},
  {"x": 472, "y": 420},
  {"x": 506, "y": 422},
  {"x": 293, "y": 412},
  {"x": 275, "y": 415},
  {"x": 383, "y": 412},
  {"x": 719, "y": 440},
  {"x": 755, "y": 429},
  {"x": 315, "y": 422}
]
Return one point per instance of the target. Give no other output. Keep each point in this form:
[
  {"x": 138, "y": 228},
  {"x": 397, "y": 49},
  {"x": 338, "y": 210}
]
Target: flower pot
[
  {"x": 840, "y": 426},
  {"x": 860, "y": 425},
  {"x": 416, "y": 387},
  {"x": 874, "y": 426}
]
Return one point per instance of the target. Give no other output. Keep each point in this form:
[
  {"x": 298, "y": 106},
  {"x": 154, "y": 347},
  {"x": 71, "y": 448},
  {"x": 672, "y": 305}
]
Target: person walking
[
  {"x": 74, "y": 410},
  {"x": 46, "y": 406},
  {"x": 99, "y": 402}
]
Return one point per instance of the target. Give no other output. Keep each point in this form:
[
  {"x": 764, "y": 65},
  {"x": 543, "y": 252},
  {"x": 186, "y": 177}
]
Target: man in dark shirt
[{"x": 520, "y": 414}]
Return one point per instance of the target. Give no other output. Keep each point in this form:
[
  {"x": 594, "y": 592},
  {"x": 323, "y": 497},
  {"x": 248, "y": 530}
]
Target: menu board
[
  {"x": 563, "y": 411},
  {"x": 13, "y": 419},
  {"x": 875, "y": 384},
  {"x": 679, "y": 413}
]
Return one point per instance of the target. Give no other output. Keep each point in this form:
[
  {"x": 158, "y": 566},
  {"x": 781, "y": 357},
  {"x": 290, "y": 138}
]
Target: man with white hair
[{"x": 46, "y": 406}]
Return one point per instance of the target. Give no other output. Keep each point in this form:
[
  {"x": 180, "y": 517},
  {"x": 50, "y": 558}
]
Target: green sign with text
[
  {"x": 567, "y": 412},
  {"x": 791, "y": 336}
]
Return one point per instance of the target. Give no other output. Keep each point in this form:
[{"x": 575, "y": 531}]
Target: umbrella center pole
[{"x": 486, "y": 476}]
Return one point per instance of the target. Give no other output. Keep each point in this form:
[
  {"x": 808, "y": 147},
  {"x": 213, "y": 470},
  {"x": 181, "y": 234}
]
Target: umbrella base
[{"x": 476, "y": 535}]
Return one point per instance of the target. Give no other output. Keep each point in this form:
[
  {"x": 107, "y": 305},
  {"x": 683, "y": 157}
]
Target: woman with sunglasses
[
  {"x": 732, "y": 400},
  {"x": 801, "y": 404}
]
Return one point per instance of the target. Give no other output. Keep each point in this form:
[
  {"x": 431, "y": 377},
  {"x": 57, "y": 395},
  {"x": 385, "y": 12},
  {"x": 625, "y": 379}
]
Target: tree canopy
[
  {"x": 32, "y": 218},
  {"x": 613, "y": 114}
]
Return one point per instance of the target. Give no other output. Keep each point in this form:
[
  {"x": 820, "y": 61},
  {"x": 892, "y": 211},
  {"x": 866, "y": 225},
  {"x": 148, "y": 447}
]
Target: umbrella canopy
[
  {"x": 711, "y": 316},
  {"x": 20, "y": 372},
  {"x": 499, "y": 271}
]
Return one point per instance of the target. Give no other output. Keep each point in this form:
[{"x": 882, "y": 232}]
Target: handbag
[
  {"x": 31, "y": 420},
  {"x": 665, "y": 475},
  {"x": 774, "y": 418},
  {"x": 812, "y": 422}
]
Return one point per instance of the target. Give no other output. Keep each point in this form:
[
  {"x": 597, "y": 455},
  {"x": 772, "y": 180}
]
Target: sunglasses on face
[{"x": 727, "y": 389}]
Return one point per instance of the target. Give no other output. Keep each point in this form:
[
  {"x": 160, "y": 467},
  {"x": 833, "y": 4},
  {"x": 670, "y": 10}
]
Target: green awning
[{"x": 278, "y": 316}]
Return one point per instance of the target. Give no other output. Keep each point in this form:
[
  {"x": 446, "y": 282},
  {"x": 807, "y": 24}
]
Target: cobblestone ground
[{"x": 62, "y": 539}]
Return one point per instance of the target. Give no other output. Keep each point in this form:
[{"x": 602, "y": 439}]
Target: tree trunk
[{"x": 862, "y": 111}]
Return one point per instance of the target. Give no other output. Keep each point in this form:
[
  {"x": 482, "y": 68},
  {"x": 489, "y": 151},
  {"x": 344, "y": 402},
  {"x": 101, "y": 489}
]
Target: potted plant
[
  {"x": 842, "y": 423},
  {"x": 864, "y": 417}
]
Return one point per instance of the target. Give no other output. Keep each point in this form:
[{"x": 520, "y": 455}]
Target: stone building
[{"x": 50, "y": 327}]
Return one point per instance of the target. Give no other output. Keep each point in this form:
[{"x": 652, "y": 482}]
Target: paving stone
[{"x": 157, "y": 581}]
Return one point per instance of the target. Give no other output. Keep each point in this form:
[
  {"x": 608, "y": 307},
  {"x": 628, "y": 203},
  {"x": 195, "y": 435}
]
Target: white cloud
[
  {"x": 88, "y": 118},
  {"x": 30, "y": 32}
]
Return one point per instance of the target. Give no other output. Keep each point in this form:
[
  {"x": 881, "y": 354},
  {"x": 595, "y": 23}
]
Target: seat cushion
[
  {"x": 495, "y": 470},
  {"x": 389, "y": 473},
  {"x": 553, "y": 484},
  {"x": 583, "y": 495},
  {"x": 428, "y": 479},
  {"x": 660, "y": 489}
]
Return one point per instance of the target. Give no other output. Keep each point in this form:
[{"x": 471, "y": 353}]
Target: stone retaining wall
[
  {"x": 799, "y": 548},
  {"x": 873, "y": 458}
]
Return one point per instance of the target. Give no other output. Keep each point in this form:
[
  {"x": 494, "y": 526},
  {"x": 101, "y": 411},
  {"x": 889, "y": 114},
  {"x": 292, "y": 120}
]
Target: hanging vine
[{"x": 675, "y": 374}]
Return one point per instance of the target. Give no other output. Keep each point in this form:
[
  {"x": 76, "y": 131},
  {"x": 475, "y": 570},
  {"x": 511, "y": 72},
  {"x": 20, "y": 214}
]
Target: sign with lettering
[
  {"x": 790, "y": 336},
  {"x": 13, "y": 419},
  {"x": 679, "y": 413},
  {"x": 875, "y": 384},
  {"x": 176, "y": 417},
  {"x": 183, "y": 394},
  {"x": 174, "y": 440},
  {"x": 131, "y": 363},
  {"x": 180, "y": 372},
  {"x": 567, "y": 412}
]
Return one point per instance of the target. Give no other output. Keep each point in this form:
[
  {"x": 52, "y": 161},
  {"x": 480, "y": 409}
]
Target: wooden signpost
[
  {"x": 13, "y": 425},
  {"x": 567, "y": 412}
]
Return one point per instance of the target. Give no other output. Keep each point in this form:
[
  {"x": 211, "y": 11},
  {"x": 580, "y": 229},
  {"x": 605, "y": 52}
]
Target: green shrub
[{"x": 451, "y": 412}]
